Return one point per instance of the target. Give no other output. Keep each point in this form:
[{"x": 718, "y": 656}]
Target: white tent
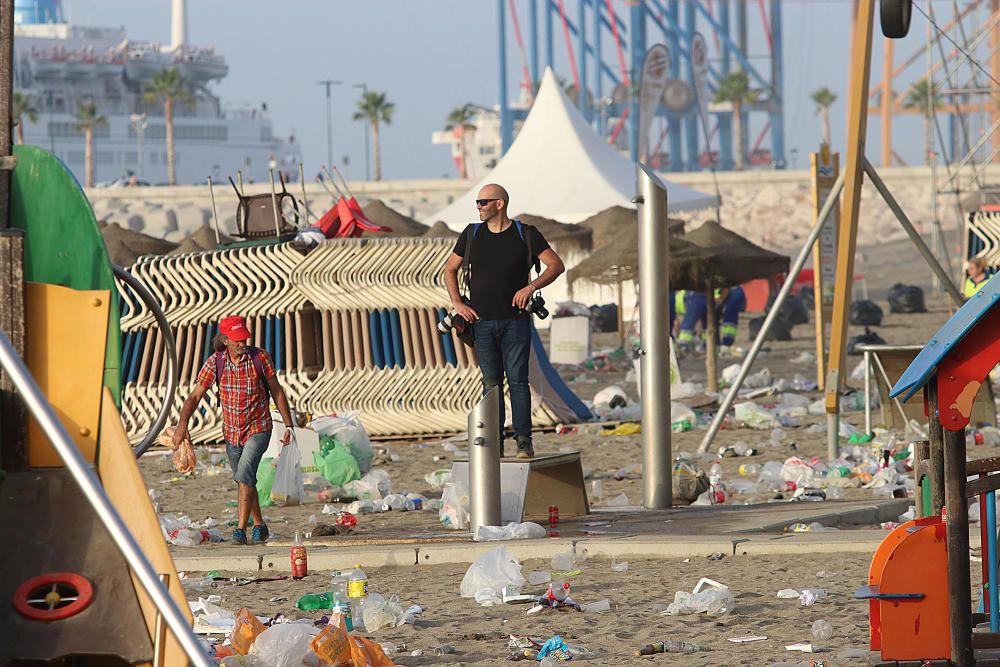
[{"x": 559, "y": 168}]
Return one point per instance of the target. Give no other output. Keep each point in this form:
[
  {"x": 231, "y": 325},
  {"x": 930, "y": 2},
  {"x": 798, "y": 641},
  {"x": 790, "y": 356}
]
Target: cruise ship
[{"x": 60, "y": 66}]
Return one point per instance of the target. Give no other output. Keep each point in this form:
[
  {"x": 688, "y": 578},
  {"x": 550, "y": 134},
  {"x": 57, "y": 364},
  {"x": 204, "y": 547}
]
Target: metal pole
[
  {"x": 914, "y": 235},
  {"x": 305, "y": 201},
  {"x": 86, "y": 478},
  {"x": 959, "y": 580},
  {"x": 991, "y": 541},
  {"x": 921, "y": 452},
  {"x": 6, "y": 92},
  {"x": 484, "y": 461},
  {"x": 772, "y": 314},
  {"x": 654, "y": 291},
  {"x": 215, "y": 212},
  {"x": 329, "y": 83},
  {"x": 274, "y": 205},
  {"x": 868, "y": 392},
  {"x": 936, "y": 435},
  {"x": 932, "y": 154}
]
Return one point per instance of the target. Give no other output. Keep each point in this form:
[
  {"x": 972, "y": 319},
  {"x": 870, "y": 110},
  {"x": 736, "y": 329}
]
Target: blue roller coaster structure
[{"x": 610, "y": 85}]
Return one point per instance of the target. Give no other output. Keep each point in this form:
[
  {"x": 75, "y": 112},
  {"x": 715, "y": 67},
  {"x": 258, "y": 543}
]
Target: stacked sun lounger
[{"x": 350, "y": 325}]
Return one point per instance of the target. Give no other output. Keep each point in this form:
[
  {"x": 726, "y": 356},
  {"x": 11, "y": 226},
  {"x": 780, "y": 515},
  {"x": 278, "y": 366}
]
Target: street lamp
[
  {"x": 329, "y": 118},
  {"x": 139, "y": 121},
  {"x": 364, "y": 91}
]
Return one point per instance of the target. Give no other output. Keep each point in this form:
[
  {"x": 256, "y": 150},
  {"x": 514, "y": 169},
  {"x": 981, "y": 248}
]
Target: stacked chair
[{"x": 351, "y": 327}]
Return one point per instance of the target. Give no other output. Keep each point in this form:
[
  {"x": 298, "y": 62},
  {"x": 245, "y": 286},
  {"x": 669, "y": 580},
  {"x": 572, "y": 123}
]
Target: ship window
[{"x": 66, "y": 129}]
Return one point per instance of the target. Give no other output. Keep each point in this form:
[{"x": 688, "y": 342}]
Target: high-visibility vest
[{"x": 969, "y": 288}]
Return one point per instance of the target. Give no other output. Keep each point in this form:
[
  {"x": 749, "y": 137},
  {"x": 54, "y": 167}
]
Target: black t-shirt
[{"x": 499, "y": 266}]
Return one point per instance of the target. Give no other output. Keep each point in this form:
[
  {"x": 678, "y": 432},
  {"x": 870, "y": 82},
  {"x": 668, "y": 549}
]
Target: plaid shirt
[{"x": 243, "y": 396}]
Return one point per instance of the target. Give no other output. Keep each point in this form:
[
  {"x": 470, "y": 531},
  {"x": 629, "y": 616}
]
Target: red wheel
[{"x": 53, "y": 596}]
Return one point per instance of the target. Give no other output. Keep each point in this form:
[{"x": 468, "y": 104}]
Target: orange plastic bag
[
  {"x": 333, "y": 646},
  {"x": 367, "y": 653},
  {"x": 245, "y": 631}
]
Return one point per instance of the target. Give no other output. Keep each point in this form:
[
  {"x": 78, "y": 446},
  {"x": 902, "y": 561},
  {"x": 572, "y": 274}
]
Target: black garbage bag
[
  {"x": 866, "y": 314},
  {"x": 604, "y": 319},
  {"x": 808, "y": 295},
  {"x": 869, "y": 337},
  {"x": 781, "y": 329},
  {"x": 793, "y": 310},
  {"x": 906, "y": 299}
]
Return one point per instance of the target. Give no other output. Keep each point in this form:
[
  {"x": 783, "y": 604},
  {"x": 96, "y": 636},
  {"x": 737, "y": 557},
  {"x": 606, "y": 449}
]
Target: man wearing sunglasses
[{"x": 499, "y": 287}]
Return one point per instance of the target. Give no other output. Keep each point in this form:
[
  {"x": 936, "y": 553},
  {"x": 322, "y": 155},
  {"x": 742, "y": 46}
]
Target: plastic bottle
[
  {"x": 341, "y": 601},
  {"x": 300, "y": 561},
  {"x": 558, "y": 591},
  {"x": 669, "y": 646},
  {"x": 357, "y": 591},
  {"x": 798, "y": 528},
  {"x": 715, "y": 474},
  {"x": 821, "y": 630},
  {"x": 749, "y": 469}
]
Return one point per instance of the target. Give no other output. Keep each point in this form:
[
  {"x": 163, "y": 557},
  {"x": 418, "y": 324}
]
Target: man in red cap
[{"x": 245, "y": 376}]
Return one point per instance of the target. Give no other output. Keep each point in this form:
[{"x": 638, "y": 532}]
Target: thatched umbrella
[
  {"x": 125, "y": 245},
  {"x": 719, "y": 258},
  {"x": 440, "y": 230},
  {"x": 568, "y": 239},
  {"x": 616, "y": 259},
  {"x": 381, "y": 214}
]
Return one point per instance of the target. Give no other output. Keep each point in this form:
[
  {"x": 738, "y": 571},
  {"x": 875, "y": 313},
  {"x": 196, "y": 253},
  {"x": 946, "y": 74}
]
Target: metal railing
[
  {"x": 56, "y": 433},
  {"x": 171, "y": 345}
]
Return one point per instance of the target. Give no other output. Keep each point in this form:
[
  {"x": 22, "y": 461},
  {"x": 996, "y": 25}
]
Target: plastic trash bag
[
  {"x": 380, "y": 612},
  {"x": 336, "y": 462},
  {"x": 375, "y": 485},
  {"x": 755, "y": 416},
  {"x": 285, "y": 644},
  {"x": 184, "y": 458},
  {"x": 794, "y": 310},
  {"x": 347, "y": 430},
  {"x": 866, "y": 313},
  {"x": 867, "y": 338},
  {"x": 688, "y": 482},
  {"x": 454, "y": 512},
  {"x": 709, "y": 597},
  {"x": 512, "y": 531},
  {"x": 439, "y": 478},
  {"x": 798, "y": 471},
  {"x": 906, "y": 299},
  {"x": 486, "y": 579},
  {"x": 610, "y": 397},
  {"x": 682, "y": 418},
  {"x": 781, "y": 329},
  {"x": 288, "y": 488},
  {"x": 265, "y": 480}
]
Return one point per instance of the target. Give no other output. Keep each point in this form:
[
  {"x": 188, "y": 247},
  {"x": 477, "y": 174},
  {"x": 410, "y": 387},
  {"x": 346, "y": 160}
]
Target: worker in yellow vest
[{"x": 976, "y": 272}]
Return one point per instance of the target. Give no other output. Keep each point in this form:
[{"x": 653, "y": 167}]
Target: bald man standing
[{"x": 499, "y": 287}]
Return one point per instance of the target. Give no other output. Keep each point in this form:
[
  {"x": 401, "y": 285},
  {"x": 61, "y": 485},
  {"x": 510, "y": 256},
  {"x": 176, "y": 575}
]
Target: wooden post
[
  {"x": 825, "y": 170},
  {"x": 711, "y": 350},
  {"x": 857, "y": 121},
  {"x": 885, "y": 107},
  {"x": 921, "y": 452},
  {"x": 621, "y": 315},
  {"x": 959, "y": 595},
  {"x": 936, "y": 434}
]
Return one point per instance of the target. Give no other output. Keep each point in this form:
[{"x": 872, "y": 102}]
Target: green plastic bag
[
  {"x": 265, "y": 479},
  {"x": 336, "y": 463}
]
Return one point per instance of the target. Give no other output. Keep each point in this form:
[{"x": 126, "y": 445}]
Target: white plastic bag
[
  {"x": 755, "y": 416},
  {"x": 284, "y": 645},
  {"x": 375, "y": 485},
  {"x": 512, "y": 531},
  {"x": 348, "y": 430},
  {"x": 454, "y": 511},
  {"x": 288, "y": 488},
  {"x": 708, "y": 597},
  {"x": 486, "y": 579},
  {"x": 380, "y": 612}
]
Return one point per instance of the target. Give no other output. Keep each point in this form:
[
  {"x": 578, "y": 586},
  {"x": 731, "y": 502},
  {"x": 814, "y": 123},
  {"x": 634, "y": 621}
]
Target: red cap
[{"x": 234, "y": 328}]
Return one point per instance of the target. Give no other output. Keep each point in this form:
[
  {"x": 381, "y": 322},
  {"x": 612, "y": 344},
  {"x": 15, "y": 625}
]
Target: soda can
[
  {"x": 300, "y": 563},
  {"x": 553, "y": 516},
  {"x": 418, "y": 503}
]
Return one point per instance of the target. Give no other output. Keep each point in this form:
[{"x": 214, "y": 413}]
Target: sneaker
[
  {"x": 260, "y": 534},
  {"x": 239, "y": 536},
  {"x": 524, "y": 448}
]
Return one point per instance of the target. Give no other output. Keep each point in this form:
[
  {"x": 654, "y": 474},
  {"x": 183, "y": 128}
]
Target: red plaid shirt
[{"x": 243, "y": 395}]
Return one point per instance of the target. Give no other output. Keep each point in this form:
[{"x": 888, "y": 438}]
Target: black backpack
[{"x": 466, "y": 270}]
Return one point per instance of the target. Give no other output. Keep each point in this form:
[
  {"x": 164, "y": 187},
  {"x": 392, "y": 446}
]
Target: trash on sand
[
  {"x": 512, "y": 531},
  {"x": 486, "y": 579},
  {"x": 332, "y": 644},
  {"x": 746, "y": 639},
  {"x": 788, "y": 594},
  {"x": 380, "y": 612},
  {"x": 438, "y": 478},
  {"x": 822, "y": 630},
  {"x": 347, "y": 429},
  {"x": 809, "y": 596},
  {"x": 556, "y": 648},
  {"x": 285, "y": 644},
  {"x": 805, "y": 647},
  {"x": 754, "y": 416},
  {"x": 564, "y": 561},
  {"x": 288, "y": 488},
  {"x": 718, "y": 555},
  {"x": 610, "y": 397},
  {"x": 619, "y": 567},
  {"x": 454, "y": 512},
  {"x": 211, "y": 619},
  {"x": 716, "y": 599},
  {"x": 670, "y": 646},
  {"x": 621, "y": 500},
  {"x": 598, "y": 607},
  {"x": 246, "y": 628},
  {"x": 538, "y": 578}
]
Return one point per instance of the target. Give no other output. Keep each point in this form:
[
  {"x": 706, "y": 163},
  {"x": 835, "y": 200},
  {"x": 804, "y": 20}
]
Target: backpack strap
[
  {"x": 471, "y": 232},
  {"x": 527, "y": 238}
]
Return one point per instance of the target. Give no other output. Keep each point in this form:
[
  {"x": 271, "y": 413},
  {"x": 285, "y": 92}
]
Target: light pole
[
  {"x": 139, "y": 121},
  {"x": 364, "y": 91},
  {"x": 329, "y": 118}
]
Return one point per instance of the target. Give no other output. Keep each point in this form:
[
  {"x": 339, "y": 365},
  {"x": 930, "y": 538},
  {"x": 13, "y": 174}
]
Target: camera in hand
[
  {"x": 536, "y": 306},
  {"x": 452, "y": 320}
]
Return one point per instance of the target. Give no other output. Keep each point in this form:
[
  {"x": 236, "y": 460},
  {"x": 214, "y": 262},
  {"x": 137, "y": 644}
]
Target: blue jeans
[
  {"x": 503, "y": 348},
  {"x": 245, "y": 460}
]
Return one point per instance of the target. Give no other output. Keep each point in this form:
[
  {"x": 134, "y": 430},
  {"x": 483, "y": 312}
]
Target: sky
[{"x": 431, "y": 56}]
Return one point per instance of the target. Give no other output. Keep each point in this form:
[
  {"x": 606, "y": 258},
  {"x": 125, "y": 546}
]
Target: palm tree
[
  {"x": 461, "y": 117},
  {"x": 918, "y": 97},
  {"x": 169, "y": 85},
  {"x": 86, "y": 120},
  {"x": 735, "y": 89},
  {"x": 824, "y": 99},
  {"x": 375, "y": 108},
  {"x": 20, "y": 106}
]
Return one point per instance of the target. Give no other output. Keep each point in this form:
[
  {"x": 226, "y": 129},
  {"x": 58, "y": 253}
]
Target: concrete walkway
[{"x": 623, "y": 533}]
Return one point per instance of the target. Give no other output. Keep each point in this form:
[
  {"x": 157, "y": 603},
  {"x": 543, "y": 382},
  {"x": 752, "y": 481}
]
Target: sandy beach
[{"x": 479, "y": 635}]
